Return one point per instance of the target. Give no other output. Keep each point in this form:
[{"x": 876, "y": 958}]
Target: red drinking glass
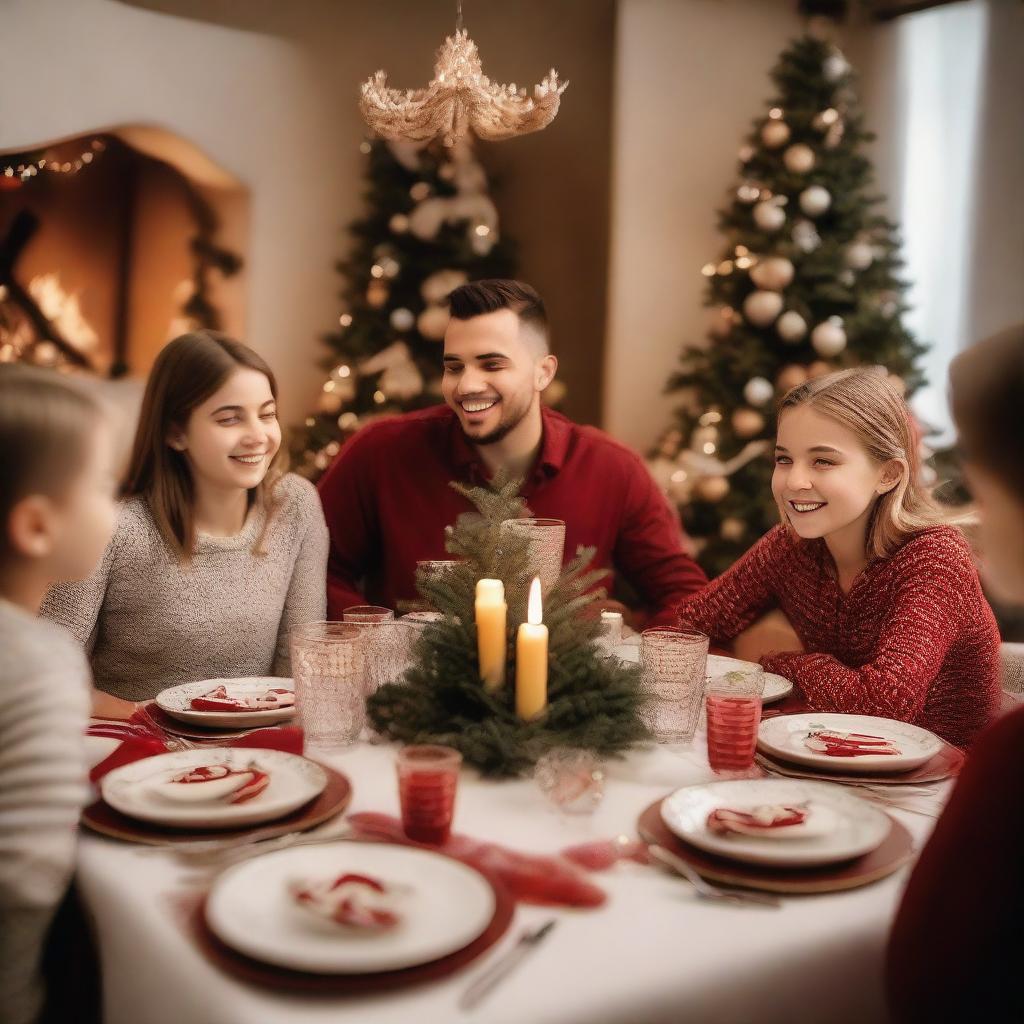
[
  {"x": 428, "y": 777},
  {"x": 734, "y": 713}
]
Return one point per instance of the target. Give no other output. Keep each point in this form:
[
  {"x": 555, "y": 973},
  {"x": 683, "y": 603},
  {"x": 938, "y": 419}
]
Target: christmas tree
[
  {"x": 430, "y": 225},
  {"x": 807, "y": 282}
]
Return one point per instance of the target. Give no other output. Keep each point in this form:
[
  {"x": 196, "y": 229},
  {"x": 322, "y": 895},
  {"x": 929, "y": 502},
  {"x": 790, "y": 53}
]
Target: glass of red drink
[
  {"x": 428, "y": 777},
  {"x": 733, "y": 702}
]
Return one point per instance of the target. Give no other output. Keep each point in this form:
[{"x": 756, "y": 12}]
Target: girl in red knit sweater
[{"x": 879, "y": 587}]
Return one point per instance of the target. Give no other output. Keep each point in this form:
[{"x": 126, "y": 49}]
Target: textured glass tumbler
[
  {"x": 327, "y": 665},
  {"x": 546, "y": 538},
  {"x": 360, "y": 613},
  {"x": 387, "y": 651},
  {"x": 432, "y": 571},
  {"x": 673, "y": 661}
]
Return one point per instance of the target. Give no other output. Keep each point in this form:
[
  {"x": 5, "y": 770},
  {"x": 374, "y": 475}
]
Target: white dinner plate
[
  {"x": 446, "y": 907},
  {"x": 136, "y": 789},
  {"x": 784, "y": 737},
  {"x": 177, "y": 702},
  {"x": 775, "y": 687},
  {"x": 839, "y": 825}
]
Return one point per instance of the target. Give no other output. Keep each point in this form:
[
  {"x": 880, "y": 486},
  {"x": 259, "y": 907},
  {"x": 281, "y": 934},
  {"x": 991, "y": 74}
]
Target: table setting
[{"x": 445, "y": 841}]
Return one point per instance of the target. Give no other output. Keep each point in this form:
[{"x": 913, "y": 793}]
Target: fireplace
[{"x": 111, "y": 244}]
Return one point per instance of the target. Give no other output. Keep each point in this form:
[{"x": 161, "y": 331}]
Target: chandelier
[{"x": 459, "y": 98}]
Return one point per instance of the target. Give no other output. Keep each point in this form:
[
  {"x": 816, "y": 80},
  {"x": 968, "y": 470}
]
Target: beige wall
[
  {"x": 690, "y": 77},
  {"x": 268, "y": 92}
]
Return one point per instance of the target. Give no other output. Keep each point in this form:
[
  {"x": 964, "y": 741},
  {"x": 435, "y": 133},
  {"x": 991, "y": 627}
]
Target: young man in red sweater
[{"x": 387, "y": 497}]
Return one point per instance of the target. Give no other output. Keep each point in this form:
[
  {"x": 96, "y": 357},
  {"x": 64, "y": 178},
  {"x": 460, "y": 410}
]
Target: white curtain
[{"x": 941, "y": 62}]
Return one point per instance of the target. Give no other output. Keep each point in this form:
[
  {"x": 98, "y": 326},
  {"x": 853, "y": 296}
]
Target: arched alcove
[{"x": 111, "y": 243}]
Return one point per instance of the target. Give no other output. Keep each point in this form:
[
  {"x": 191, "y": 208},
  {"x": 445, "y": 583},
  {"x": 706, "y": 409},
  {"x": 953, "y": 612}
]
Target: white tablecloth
[{"x": 653, "y": 953}]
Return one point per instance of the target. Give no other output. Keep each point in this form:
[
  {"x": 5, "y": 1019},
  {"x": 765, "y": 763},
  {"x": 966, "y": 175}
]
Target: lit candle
[
  {"x": 532, "y": 659},
  {"x": 491, "y": 614}
]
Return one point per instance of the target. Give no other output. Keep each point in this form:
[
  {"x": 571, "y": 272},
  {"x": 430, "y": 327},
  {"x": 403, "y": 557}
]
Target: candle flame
[{"x": 534, "y": 610}]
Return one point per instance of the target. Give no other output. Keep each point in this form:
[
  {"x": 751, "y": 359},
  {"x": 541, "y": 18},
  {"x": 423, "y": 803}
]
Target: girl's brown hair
[
  {"x": 869, "y": 404},
  {"x": 187, "y": 371},
  {"x": 986, "y": 391},
  {"x": 47, "y": 425}
]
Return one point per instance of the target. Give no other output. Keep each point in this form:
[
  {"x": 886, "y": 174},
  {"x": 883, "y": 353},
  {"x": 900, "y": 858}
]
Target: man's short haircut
[{"x": 480, "y": 297}]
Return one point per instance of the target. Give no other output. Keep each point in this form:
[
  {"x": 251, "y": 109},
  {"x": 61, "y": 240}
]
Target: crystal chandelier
[{"x": 458, "y": 99}]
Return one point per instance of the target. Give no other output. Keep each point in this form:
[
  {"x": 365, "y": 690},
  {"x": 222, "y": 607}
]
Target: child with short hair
[
  {"x": 57, "y": 512},
  {"x": 878, "y": 584},
  {"x": 218, "y": 552}
]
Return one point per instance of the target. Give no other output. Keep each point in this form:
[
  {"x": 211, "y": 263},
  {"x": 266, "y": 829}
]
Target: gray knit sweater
[
  {"x": 150, "y": 622},
  {"x": 44, "y": 708}
]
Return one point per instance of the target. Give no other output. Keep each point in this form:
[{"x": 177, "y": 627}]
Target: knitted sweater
[
  {"x": 913, "y": 640},
  {"x": 151, "y": 622},
  {"x": 44, "y": 708}
]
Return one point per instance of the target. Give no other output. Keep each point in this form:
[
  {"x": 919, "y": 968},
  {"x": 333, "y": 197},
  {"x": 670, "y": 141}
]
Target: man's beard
[{"x": 502, "y": 430}]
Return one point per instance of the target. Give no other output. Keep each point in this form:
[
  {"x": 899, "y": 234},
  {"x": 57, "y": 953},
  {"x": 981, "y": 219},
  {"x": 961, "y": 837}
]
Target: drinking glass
[
  {"x": 546, "y": 539},
  {"x": 734, "y": 713},
  {"x": 327, "y": 665},
  {"x": 367, "y": 613},
  {"x": 673, "y": 660},
  {"x": 428, "y": 777}
]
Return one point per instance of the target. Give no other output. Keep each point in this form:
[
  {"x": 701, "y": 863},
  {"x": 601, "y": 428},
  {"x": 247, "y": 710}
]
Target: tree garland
[{"x": 593, "y": 702}]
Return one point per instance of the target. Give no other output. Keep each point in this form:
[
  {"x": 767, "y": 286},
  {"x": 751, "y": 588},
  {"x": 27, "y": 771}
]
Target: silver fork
[
  {"x": 172, "y": 742},
  {"x": 704, "y": 888}
]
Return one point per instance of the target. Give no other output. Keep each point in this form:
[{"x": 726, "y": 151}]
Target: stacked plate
[
  {"x": 443, "y": 907},
  {"x": 176, "y": 701},
  {"x": 836, "y": 825},
  {"x": 208, "y": 788},
  {"x": 791, "y": 740},
  {"x": 775, "y": 686}
]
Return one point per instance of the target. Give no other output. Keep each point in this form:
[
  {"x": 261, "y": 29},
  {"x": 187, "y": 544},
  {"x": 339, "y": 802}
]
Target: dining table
[{"x": 653, "y": 952}]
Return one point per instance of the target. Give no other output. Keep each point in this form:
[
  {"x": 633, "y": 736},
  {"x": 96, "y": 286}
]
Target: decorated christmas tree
[
  {"x": 807, "y": 282},
  {"x": 429, "y": 226}
]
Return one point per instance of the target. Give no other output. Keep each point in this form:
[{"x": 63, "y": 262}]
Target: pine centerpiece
[{"x": 594, "y": 703}]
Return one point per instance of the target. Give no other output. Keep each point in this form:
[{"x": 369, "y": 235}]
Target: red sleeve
[
  {"x": 924, "y": 618},
  {"x": 741, "y": 595},
  {"x": 951, "y": 953},
  {"x": 650, "y": 550},
  {"x": 346, "y": 491}
]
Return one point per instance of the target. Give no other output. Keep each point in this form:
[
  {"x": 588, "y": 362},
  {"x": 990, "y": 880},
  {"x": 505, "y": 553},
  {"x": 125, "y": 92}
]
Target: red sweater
[
  {"x": 913, "y": 640},
  {"x": 387, "y": 502},
  {"x": 956, "y": 946}
]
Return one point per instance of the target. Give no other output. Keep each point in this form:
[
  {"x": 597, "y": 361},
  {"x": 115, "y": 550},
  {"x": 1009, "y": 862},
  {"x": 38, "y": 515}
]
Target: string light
[
  {"x": 26, "y": 169},
  {"x": 379, "y": 397},
  {"x": 708, "y": 270},
  {"x": 345, "y": 319}
]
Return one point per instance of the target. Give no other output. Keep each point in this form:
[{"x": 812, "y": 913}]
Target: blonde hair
[
  {"x": 869, "y": 404},
  {"x": 46, "y": 427}
]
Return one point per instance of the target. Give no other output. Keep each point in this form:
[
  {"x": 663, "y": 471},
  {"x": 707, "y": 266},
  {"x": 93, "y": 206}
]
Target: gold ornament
[
  {"x": 775, "y": 133},
  {"x": 747, "y": 422},
  {"x": 711, "y": 489},
  {"x": 791, "y": 376},
  {"x": 819, "y": 368},
  {"x": 773, "y": 273},
  {"x": 799, "y": 158},
  {"x": 732, "y": 528},
  {"x": 459, "y": 99},
  {"x": 329, "y": 403},
  {"x": 376, "y": 294},
  {"x": 761, "y": 308}
]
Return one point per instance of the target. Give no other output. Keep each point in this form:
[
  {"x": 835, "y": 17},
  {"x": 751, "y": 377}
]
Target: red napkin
[
  {"x": 139, "y": 739},
  {"x": 532, "y": 878}
]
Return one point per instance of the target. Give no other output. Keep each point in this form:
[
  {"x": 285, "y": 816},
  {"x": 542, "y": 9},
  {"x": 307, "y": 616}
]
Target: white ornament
[
  {"x": 805, "y": 236},
  {"x": 858, "y": 256},
  {"x": 761, "y": 307},
  {"x": 748, "y": 193},
  {"x": 402, "y": 319},
  {"x": 441, "y": 284},
  {"x": 799, "y": 158},
  {"x": 835, "y": 67},
  {"x": 773, "y": 273},
  {"x": 791, "y": 327},
  {"x": 775, "y": 133},
  {"x": 815, "y": 200},
  {"x": 433, "y": 322},
  {"x": 829, "y": 338},
  {"x": 758, "y": 390},
  {"x": 769, "y": 215}
]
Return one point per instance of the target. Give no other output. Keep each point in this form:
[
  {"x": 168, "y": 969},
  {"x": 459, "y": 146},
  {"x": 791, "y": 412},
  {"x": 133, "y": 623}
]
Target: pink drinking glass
[
  {"x": 734, "y": 712},
  {"x": 673, "y": 660},
  {"x": 428, "y": 777}
]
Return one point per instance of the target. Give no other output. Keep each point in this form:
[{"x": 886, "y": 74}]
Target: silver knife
[{"x": 501, "y": 968}]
